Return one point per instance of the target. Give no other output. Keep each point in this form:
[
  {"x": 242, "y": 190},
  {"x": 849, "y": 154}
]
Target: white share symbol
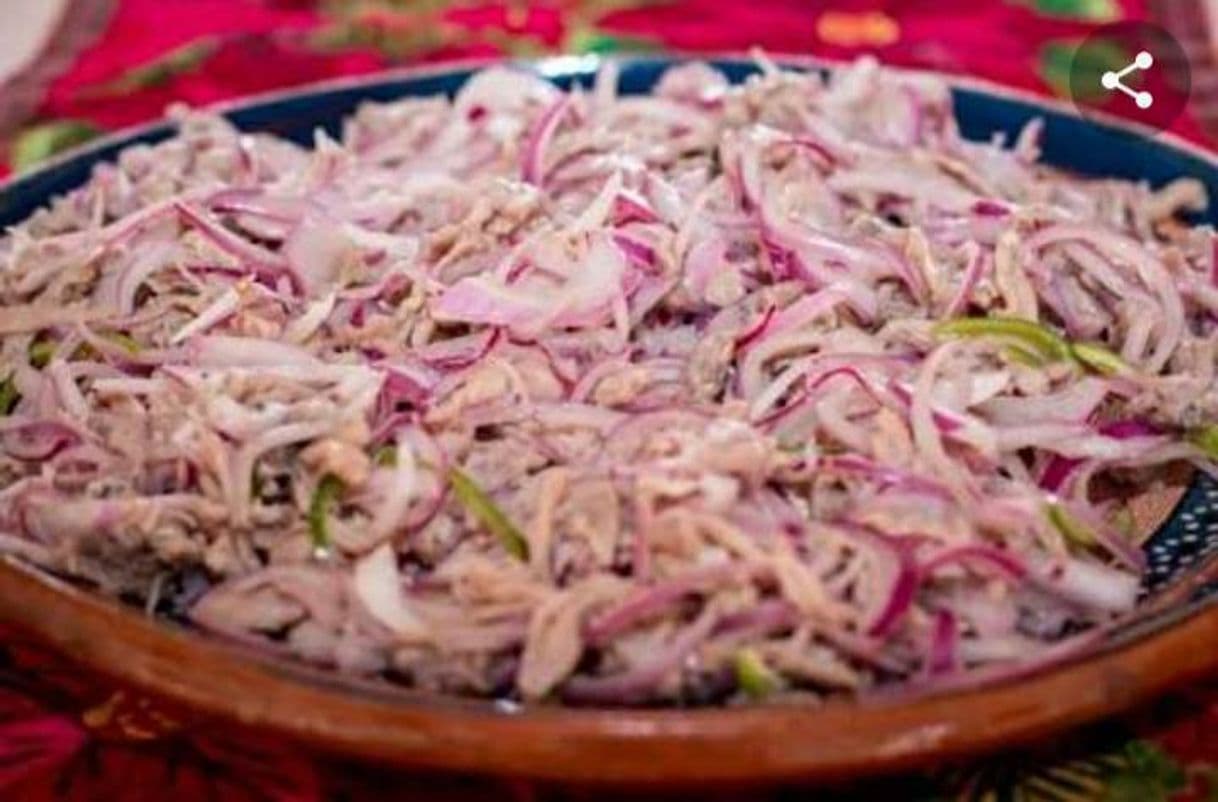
[{"x": 1112, "y": 80}]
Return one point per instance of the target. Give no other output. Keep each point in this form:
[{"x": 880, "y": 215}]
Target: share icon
[{"x": 1112, "y": 80}]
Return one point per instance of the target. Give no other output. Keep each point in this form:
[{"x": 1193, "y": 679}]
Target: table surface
[{"x": 68, "y": 735}]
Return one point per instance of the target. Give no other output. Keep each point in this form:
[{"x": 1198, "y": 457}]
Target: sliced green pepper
[
  {"x": 480, "y": 505},
  {"x": 1205, "y": 438},
  {"x": 1124, "y": 522},
  {"x": 753, "y": 676},
  {"x": 1072, "y": 529},
  {"x": 8, "y": 395},
  {"x": 41, "y": 141},
  {"x": 1099, "y": 359},
  {"x": 1024, "y": 334},
  {"x": 125, "y": 341},
  {"x": 1023, "y": 356},
  {"x": 386, "y": 456},
  {"x": 1032, "y": 344},
  {"x": 328, "y": 491},
  {"x": 40, "y": 353}
]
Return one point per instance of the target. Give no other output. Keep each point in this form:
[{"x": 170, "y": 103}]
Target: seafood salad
[{"x": 719, "y": 394}]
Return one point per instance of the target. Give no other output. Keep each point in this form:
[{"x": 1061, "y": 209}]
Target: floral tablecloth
[{"x": 68, "y": 735}]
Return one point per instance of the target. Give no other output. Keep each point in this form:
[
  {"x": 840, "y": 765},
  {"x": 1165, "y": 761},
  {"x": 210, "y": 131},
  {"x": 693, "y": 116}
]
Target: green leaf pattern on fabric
[
  {"x": 1137, "y": 771},
  {"x": 1058, "y": 58},
  {"x": 1094, "y": 10},
  {"x": 591, "y": 40},
  {"x": 41, "y": 141}
]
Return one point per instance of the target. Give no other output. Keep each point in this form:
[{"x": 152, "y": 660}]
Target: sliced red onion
[
  {"x": 217, "y": 312},
  {"x": 972, "y": 274},
  {"x": 35, "y": 440},
  {"x": 251, "y": 256},
  {"x": 1127, "y": 553},
  {"x": 900, "y": 599},
  {"x": 587, "y": 383},
  {"x": 819, "y": 262},
  {"x": 883, "y": 475},
  {"x": 649, "y": 602},
  {"x": 1150, "y": 269},
  {"x": 945, "y": 634},
  {"x": 122, "y": 287},
  {"x": 239, "y": 489},
  {"x": 755, "y": 330},
  {"x": 63, "y": 379},
  {"x": 808, "y": 308},
  {"x": 404, "y": 382},
  {"x": 1073, "y": 404},
  {"x": 266, "y": 216},
  {"x": 947, "y": 421},
  {"x": 1214, "y": 260},
  {"x": 1132, "y": 428},
  {"x": 991, "y": 208},
  {"x": 895, "y": 575},
  {"x": 705, "y": 263},
  {"x": 315, "y": 249},
  {"x": 639, "y": 683},
  {"x": 992, "y": 557},
  {"x": 815, "y": 381},
  {"x": 824, "y": 157},
  {"x": 1057, "y": 471},
  {"x": 31, "y": 318},
  {"x": 459, "y": 352},
  {"x": 378, "y": 587},
  {"x": 1038, "y": 660},
  {"x": 767, "y": 617},
  {"x": 1074, "y": 440},
  {"x": 311, "y": 321},
  {"x": 532, "y": 164},
  {"x": 223, "y": 351},
  {"x": 630, "y": 207},
  {"x": 1089, "y": 584},
  {"x": 639, "y": 253},
  {"x": 584, "y": 300}
]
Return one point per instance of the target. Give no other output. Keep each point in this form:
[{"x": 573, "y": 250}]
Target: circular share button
[{"x": 1135, "y": 70}]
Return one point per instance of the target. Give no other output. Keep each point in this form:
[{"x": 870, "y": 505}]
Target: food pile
[{"x": 722, "y": 393}]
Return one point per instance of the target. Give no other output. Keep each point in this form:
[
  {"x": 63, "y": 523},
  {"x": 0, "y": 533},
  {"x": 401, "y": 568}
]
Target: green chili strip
[
  {"x": 1024, "y": 334},
  {"x": 1124, "y": 523},
  {"x": 753, "y": 676},
  {"x": 1099, "y": 359},
  {"x": 40, "y": 353},
  {"x": 386, "y": 456},
  {"x": 257, "y": 483},
  {"x": 125, "y": 341},
  {"x": 1032, "y": 344},
  {"x": 328, "y": 491},
  {"x": 8, "y": 395},
  {"x": 1205, "y": 438},
  {"x": 1023, "y": 356},
  {"x": 479, "y": 504},
  {"x": 1072, "y": 529}
]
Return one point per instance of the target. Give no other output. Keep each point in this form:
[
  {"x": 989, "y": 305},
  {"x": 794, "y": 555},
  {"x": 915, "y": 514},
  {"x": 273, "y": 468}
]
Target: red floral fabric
[
  {"x": 153, "y": 53},
  {"x": 69, "y": 736}
]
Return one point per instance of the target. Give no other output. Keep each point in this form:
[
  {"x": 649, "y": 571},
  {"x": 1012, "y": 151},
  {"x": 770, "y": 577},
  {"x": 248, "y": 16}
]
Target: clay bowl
[{"x": 1170, "y": 641}]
